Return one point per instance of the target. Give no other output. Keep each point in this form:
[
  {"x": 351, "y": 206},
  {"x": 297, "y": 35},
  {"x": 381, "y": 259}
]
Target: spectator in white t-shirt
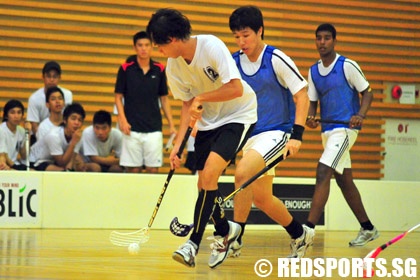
[
  {"x": 58, "y": 150},
  {"x": 3, "y": 151},
  {"x": 102, "y": 143},
  {"x": 54, "y": 98},
  {"x": 14, "y": 135},
  {"x": 37, "y": 110}
]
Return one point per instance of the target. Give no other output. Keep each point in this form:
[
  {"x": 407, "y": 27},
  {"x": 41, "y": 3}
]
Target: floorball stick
[
  {"x": 375, "y": 252},
  {"x": 27, "y": 148},
  {"x": 179, "y": 229},
  {"x": 142, "y": 235},
  {"x": 169, "y": 144},
  {"x": 332, "y": 121}
]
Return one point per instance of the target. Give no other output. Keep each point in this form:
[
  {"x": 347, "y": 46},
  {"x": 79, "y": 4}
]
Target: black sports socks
[
  {"x": 202, "y": 213},
  {"x": 294, "y": 229},
  {"x": 242, "y": 232},
  {"x": 220, "y": 222},
  {"x": 367, "y": 225},
  {"x": 309, "y": 224}
]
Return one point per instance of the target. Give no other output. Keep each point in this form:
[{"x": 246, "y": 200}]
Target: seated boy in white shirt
[
  {"x": 102, "y": 143},
  {"x": 58, "y": 150},
  {"x": 14, "y": 151},
  {"x": 54, "y": 98}
]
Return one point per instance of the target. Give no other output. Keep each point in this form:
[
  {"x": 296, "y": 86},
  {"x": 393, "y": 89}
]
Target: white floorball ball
[{"x": 133, "y": 248}]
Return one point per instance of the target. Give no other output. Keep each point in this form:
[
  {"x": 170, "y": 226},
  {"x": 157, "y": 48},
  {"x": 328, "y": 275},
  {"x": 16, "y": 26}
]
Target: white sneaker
[
  {"x": 235, "y": 249},
  {"x": 299, "y": 245},
  {"x": 221, "y": 245},
  {"x": 364, "y": 236},
  {"x": 186, "y": 254}
]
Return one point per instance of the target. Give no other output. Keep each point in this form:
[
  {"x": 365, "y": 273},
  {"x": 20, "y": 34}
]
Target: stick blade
[
  {"x": 179, "y": 229},
  {"x": 124, "y": 239}
]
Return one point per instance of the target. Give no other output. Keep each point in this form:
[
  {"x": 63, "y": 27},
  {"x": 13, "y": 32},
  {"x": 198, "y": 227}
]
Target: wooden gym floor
[{"x": 88, "y": 254}]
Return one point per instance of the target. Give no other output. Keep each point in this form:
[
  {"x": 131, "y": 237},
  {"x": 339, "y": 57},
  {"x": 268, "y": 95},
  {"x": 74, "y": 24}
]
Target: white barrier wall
[{"x": 94, "y": 200}]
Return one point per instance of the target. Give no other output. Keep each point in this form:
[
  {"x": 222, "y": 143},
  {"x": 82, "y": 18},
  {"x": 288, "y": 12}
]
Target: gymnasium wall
[
  {"x": 91, "y": 38},
  {"x": 116, "y": 201}
]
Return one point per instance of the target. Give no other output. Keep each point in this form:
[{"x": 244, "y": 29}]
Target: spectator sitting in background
[
  {"x": 102, "y": 144},
  {"x": 58, "y": 150},
  {"x": 14, "y": 135},
  {"x": 3, "y": 151},
  {"x": 54, "y": 98},
  {"x": 37, "y": 110}
]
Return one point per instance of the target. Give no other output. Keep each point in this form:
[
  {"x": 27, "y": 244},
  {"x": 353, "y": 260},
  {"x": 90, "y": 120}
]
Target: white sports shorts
[
  {"x": 337, "y": 144},
  {"x": 270, "y": 145},
  {"x": 140, "y": 149}
]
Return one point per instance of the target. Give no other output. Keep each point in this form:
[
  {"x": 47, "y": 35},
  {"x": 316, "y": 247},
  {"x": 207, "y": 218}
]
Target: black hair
[
  {"x": 327, "y": 27},
  {"x": 247, "y": 16},
  {"x": 140, "y": 35},
  {"x": 12, "y": 103},
  {"x": 166, "y": 24},
  {"x": 102, "y": 117},
  {"x": 74, "y": 108},
  {"x": 50, "y": 91},
  {"x": 51, "y": 65}
]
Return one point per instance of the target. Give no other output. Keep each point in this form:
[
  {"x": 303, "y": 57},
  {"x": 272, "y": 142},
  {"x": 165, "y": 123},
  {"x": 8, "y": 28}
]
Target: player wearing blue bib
[
  {"x": 335, "y": 82},
  {"x": 282, "y": 104}
]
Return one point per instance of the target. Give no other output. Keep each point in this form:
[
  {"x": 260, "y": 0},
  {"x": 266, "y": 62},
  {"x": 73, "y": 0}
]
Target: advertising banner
[
  {"x": 19, "y": 200},
  {"x": 402, "y": 153},
  {"x": 296, "y": 197}
]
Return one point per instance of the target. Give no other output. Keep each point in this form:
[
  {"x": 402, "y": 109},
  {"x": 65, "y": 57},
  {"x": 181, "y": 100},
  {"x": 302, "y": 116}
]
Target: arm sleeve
[
  {"x": 32, "y": 113},
  {"x": 89, "y": 144},
  {"x": 287, "y": 72},
  {"x": 53, "y": 144},
  {"x": 312, "y": 93},
  {"x": 355, "y": 76},
  {"x": 120, "y": 83},
  {"x": 163, "y": 87}
]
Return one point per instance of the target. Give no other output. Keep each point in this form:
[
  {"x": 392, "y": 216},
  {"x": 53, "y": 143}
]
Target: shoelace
[
  {"x": 362, "y": 232},
  {"x": 188, "y": 248},
  {"x": 295, "y": 245},
  {"x": 217, "y": 244}
]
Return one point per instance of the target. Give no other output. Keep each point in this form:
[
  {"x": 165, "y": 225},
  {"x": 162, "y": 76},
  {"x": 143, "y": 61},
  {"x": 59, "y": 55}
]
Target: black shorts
[
  {"x": 190, "y": 162},
  {"x": 41, "y": 167},
  {"x": 225, "y": 141},
  {"x": 104, "y": 168},
  {"x": 20, "y": 167}
]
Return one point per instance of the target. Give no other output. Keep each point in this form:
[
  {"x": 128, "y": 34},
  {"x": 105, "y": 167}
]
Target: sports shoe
[
  {"x": 235, "y": 250},
  {"x": 299, "y": 245},
  {"x": 364, "y": 236},
  {"x": 186, "y": 254},
  {"x": 221, "y": 245}
]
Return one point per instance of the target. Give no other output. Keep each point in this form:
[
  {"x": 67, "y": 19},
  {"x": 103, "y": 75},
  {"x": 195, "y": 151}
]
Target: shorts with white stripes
[
  {"x": 226, "y": 141},
  {"x": 270, "y": 145},
  {"x": 337, "y": 144}
]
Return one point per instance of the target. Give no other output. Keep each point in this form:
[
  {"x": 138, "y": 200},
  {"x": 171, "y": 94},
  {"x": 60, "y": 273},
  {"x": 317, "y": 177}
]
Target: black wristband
[{"x": 297, "y": 132}]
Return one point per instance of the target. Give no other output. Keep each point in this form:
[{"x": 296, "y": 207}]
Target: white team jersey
[
  {"x": 211, "y": 67},
  {"x": 91, "y": 146},
  {"x": 52, "y": 144},
  {"x": 44, "y": 127},
  {"x": 3, "y": 146},
  {"x": 352, "y": 71},
  {"x": 37, "y": 108},
  {"x": 14, "y": 141},
  {"x": 285, "y": 69}
]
